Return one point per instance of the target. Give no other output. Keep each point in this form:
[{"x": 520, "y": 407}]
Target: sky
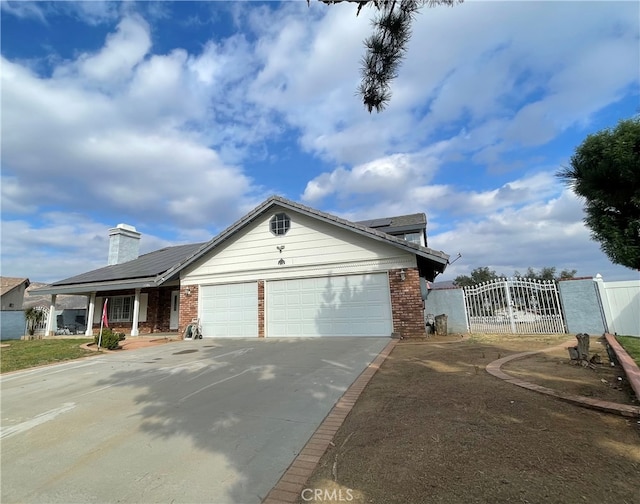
[{"x": 180, "y": 117}]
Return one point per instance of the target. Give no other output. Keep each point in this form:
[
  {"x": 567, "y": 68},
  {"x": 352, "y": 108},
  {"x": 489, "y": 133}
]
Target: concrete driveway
[{"x": 209, "y": 421}]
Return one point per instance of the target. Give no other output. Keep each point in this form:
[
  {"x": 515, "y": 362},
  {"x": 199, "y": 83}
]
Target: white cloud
[
  {"x": 549, "y": 232},
  {"x": 125, "y": 147},
  {"x": 387, "y": 177},
  {"x": 123, "y": 50},
  {"x": 22, "y": 10},
  {"x": 484, "y": 63},
  {"x": 62, "y": 244}
]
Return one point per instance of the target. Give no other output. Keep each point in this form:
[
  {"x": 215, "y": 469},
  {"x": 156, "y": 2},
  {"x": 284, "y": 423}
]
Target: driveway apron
[{"x": 207, "y": 421}]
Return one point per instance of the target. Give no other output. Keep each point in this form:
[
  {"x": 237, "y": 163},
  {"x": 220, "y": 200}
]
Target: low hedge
[{"x": 110, "y": 339}]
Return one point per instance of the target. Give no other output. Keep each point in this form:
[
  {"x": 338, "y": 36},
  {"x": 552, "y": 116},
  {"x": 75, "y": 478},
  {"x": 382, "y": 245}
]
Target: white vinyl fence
[
  {"x": 514, "y": 305},
  {"x": 621, "y": 304}
]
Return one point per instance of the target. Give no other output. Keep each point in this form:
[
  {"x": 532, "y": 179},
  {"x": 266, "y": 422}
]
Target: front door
[{"x": 175, "y": 310}]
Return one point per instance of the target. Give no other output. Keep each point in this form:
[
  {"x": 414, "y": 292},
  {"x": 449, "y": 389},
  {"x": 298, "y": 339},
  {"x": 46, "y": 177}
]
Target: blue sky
[{"x": 178, "y": 118}]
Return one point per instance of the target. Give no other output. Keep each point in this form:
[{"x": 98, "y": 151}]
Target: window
[
  {"x": 280, "y": 224},
  {"x": 412, "y": 237},
  {"x": 120, "y": 309}
]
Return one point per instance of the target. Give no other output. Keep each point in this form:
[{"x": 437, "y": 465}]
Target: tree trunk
[
  {"x": 583, "y": 345},
  {"x": 441, "y": 325},
  {"x": 581, "y": 351}
]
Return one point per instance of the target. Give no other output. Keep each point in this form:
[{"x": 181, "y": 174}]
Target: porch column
[
  {"x": 52, "y": 313},
  {"x": 136, "y": 313},
  {"x": 90, "y": 310}
]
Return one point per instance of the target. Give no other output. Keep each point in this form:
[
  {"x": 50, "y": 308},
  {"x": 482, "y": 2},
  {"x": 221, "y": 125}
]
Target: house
[
  {"x": 12, "y": 322},
  {"x": 284, "y": 269},
  {"x": 12, "y": 292}
]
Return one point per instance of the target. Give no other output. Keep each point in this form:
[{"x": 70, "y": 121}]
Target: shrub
[{"x": 110, "y": 339}]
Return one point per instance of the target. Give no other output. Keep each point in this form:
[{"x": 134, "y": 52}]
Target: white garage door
[
  {"x": 229, "y": 310},
  {"x": 352, "y": 305}
]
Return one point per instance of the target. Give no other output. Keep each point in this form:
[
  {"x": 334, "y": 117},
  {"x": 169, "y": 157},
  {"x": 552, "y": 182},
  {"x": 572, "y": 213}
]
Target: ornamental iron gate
[{"x": 514, "y": 305}]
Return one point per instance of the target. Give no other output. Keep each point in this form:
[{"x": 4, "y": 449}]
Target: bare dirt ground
[{"x": 434, "y": 427}]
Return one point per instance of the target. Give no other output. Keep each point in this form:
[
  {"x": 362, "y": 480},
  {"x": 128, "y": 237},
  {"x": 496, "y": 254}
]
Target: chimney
[{"x": 124, "y": 244}]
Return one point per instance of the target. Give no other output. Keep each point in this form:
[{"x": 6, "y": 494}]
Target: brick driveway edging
[
  {"x": 290, "y": 486},
  {"x": 628, "y": 364},
  {"x": 493, "y": 368}
]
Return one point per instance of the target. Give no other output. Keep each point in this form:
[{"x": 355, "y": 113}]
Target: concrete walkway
[{"x": 494, "y": 368}]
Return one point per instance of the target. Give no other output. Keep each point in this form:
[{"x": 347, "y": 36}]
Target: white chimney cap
[{"x": 126, "y": 227}]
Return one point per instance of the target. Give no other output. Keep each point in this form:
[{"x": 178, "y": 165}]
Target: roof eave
[{"x": 88, "y": 288}]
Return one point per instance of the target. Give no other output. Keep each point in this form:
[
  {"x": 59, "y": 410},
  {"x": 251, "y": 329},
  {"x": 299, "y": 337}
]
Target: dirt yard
[{"x": 434, "y": 427}]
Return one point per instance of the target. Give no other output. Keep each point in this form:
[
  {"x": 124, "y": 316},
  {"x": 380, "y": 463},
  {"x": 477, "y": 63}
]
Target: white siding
[
  {"x": 623, "y": 299},
  {"x": 311, "y": 248}
]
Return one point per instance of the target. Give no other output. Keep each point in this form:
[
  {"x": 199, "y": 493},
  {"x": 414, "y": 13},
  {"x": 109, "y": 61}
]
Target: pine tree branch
[{"x": 387, "y": 45}]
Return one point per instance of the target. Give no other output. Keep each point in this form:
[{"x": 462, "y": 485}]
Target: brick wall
[
  {"x": 188, "y": 306},
  {"x": 407, "y": 306},
  {"x": 260, "y": 308}
]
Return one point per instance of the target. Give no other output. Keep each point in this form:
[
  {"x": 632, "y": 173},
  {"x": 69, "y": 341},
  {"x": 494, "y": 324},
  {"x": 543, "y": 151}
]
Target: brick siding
[
  {"x": 188, "y": 307},
  {"x": 407, "y": 306}
]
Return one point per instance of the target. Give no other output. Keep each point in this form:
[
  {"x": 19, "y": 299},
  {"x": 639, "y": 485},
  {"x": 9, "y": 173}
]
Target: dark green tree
[
  {"x": 478, "y": 275},
  {"x": 484, "y": 274},
  {"x": 605, "y": 172},
  {"x": 387, "y": 45},
  {"x": 547, "y": 273}
]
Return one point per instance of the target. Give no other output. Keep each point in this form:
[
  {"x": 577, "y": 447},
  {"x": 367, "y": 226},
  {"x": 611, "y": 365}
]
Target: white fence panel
[
  {"x": 623, "y": 299},
  {"x": 514, "y": 305}
]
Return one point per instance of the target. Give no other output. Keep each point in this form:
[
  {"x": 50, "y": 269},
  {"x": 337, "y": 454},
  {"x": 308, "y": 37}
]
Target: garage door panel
[
  {"x": 350, "y": 305},
  {"x": 230, "y": 310}
]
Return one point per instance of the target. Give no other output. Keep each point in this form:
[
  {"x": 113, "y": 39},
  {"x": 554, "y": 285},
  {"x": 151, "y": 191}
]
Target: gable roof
[
  {"x": 7, "y": 284},
  {"x": 156, "y": 268},
  {"x": 438, "y": 258}
]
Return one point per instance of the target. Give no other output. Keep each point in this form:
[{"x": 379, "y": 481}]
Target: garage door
[
  {"x": 353, "y": 305},
  {"x": 229, "y": 310}
]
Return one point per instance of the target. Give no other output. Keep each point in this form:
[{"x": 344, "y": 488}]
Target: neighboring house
[
  {"x": 12, "y": 292},
  {"x": 70, "y": 311},
  {"x": 12, "y": 322},
  {"x": 284, "y": 269}
]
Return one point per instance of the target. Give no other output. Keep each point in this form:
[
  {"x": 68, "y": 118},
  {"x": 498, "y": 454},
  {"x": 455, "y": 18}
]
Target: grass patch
[
  {"x": 22, "y": 354},
  {"x": 632, "y": 345}
]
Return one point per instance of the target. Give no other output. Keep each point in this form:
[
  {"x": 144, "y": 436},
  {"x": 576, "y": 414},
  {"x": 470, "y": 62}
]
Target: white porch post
[
  {"x": 52, "y": 313},
  {"x": 90, "y": 310},
  {"x": 136, "y": 313}
]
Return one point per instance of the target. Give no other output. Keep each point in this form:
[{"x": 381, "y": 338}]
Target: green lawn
[
  {"x": 22, "y": 354},
  {"x": 632, "y": 345}
]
